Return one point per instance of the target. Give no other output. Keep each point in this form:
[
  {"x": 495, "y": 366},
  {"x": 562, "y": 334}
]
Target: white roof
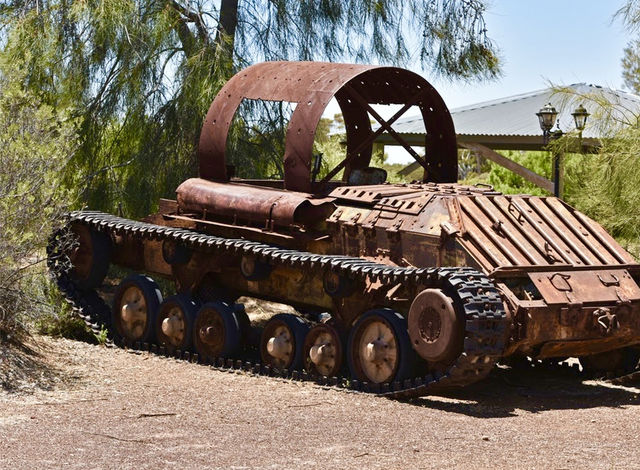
[{"x": 516, "y": 115}]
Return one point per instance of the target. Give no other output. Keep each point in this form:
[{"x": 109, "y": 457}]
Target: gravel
[{"x": 75, "y": 405}]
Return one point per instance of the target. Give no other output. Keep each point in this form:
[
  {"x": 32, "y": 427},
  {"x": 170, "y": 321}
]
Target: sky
[{"x": 541, "y": 42}]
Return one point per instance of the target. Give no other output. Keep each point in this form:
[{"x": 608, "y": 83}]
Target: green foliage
[
  {"x": 333, "y": 152},
  {"x": 66, "y": 324},
  {"x": 36, "y": 141},
  {"x": 140, "y": 74},
  {"x": 605, "y": 186},
  {"x": 631, "y": 66},
  {"x": 508, "y": 182}
]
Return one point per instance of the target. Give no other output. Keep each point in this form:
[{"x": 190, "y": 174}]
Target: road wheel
[
  {"x": 323, "y": 350},
  {"x": 135, "y": 306},
  {"x": 217, "y": 331},
  {"x": 174, "y": 322},
  {"x": 379, "y": 350},
  {"x": 282, "y": 341}
]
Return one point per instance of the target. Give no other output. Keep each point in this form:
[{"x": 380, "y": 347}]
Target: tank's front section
[
  {"x": 570, "y": 288},
  {"x": 561, "y": 313}
]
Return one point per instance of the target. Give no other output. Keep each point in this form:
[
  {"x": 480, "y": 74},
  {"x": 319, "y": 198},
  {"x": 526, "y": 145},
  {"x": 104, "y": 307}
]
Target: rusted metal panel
[
  {"x": 528, "y": 231},
  {"x": 593, "y": 286},
  {"x": 513, "y": 212},
  {"x": 605, "y": 239},
  {"x": 558, "y": 230},
  {"x": 243, "y": 202},
  {"x": 568, "y": 217},
  {"x": 312, "y": 85},
  {"x": 370, "y": 194}
]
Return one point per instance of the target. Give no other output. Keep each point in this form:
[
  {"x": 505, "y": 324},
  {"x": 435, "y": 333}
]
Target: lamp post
[
  {"x": 547, "y": 118},
  {"x": 580, "y": 116}
]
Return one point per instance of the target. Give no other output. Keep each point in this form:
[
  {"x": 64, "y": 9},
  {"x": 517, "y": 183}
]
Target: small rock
[{"x": 485, "y": 438}]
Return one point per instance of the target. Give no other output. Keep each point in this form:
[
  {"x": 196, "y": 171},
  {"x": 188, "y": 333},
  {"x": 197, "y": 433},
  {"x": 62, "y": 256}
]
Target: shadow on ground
[
  {"x": 25, "y": 367},
  {"x": 507, "y": 390}
]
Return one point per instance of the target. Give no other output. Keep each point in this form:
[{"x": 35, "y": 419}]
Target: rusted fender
[
  {"x": 312, "y": 85},
  {"x": 242, "y": 202}
]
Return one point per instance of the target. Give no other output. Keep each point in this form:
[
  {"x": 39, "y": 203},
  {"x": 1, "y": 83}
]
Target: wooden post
[{"x": 501, "y": 160}]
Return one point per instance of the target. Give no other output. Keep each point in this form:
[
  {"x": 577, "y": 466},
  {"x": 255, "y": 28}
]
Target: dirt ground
[{"x": 73, "y": 405}]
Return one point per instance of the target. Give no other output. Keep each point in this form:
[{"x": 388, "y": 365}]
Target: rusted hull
[
  {"x": 568, "y": 295},
  {"x": 459, "y": 276}
]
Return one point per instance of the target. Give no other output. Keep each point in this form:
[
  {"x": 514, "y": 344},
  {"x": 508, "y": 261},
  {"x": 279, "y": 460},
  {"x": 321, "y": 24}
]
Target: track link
[{"x": 485, "y": 318}]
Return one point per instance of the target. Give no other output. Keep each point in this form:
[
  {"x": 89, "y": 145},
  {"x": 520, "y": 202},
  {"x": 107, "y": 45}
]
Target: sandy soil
[{"x": 80, "y": 406}]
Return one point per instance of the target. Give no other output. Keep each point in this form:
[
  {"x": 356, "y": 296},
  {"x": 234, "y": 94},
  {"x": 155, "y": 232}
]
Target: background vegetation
[
  {"x": 101, "y": 104},
  {"x": 36, "y": 142}
]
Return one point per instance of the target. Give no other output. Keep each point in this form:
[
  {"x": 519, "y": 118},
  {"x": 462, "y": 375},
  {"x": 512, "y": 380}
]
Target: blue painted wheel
[
  {"x": 379, "y": 349},
  {"x": 135, "y": 306},
  {"x": 217, "y": 331}
]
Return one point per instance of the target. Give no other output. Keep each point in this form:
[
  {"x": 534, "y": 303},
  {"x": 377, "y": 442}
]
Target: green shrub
[{"x": 36, "y": 141}]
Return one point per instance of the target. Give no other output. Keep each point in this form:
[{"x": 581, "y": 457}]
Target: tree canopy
[{"x": 140, "y": 74}]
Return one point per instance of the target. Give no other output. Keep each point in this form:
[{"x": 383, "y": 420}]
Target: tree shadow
[
  {"x": 24, "y": 367},
  {"x": 532, "y": 390}
]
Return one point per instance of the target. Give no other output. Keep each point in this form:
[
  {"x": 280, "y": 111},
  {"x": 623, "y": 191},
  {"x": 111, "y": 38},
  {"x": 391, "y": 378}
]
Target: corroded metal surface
[
  {"x": 311, "y": 85},
  {"x": 459, "y": 276},
  {"x": 248, "y": 203},
  {"x": 479, "y": 301}
]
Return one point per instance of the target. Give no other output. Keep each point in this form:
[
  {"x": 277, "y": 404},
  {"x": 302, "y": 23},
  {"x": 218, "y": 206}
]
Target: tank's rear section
[{"x": 571, "y": 288}]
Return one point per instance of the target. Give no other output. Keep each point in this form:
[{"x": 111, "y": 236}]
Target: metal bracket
[
  {"x": 515, "y": 206},
  {"x": 565, "y": 278},
  {"x": 615, "y": 282}
]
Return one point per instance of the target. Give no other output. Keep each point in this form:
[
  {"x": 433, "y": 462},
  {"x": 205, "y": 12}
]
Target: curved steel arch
[{"x": 312, "y": 85}]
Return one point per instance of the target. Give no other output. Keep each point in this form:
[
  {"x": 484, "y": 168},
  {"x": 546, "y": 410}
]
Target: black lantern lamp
[
  {"x": 580, "y": 116},
  {"x": 547, "y": 117}
]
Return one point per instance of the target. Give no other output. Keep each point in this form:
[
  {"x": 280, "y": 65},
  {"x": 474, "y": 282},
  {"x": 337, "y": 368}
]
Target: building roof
[{"x": 511, "y": 121}]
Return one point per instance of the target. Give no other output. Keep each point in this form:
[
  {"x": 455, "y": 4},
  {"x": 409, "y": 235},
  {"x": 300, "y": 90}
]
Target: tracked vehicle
[{"x": 400, "y": 289}]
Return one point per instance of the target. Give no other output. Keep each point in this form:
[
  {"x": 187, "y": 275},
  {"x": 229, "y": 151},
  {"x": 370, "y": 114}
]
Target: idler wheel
[
  {"x": 435, "y": 330},
  {"x": 90, "y": 257},
  {"x": 282, "y": 341},
  {"x": 378, "y": 350},
  {"x": 135, "y": 306},
  {"x": 174, "y": 322},
  {"x": 323, "y": 351},
  {"x": 217, "y": 331}
]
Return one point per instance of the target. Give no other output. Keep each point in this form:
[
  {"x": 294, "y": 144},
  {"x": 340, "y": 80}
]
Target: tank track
[{"x": 485, "y": 322}]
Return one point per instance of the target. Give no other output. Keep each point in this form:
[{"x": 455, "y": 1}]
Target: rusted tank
[{"x": 400, "y": 288}]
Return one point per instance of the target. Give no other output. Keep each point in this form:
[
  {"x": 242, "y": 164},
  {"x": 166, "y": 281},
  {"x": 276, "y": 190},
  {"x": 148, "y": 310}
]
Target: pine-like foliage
[
  {"x": 140, "y": 74},
  {"x": 36, "y": 142}
]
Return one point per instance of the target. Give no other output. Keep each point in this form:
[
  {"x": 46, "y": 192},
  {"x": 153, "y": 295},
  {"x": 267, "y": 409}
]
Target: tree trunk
[{"x": 225, "y": 36}]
